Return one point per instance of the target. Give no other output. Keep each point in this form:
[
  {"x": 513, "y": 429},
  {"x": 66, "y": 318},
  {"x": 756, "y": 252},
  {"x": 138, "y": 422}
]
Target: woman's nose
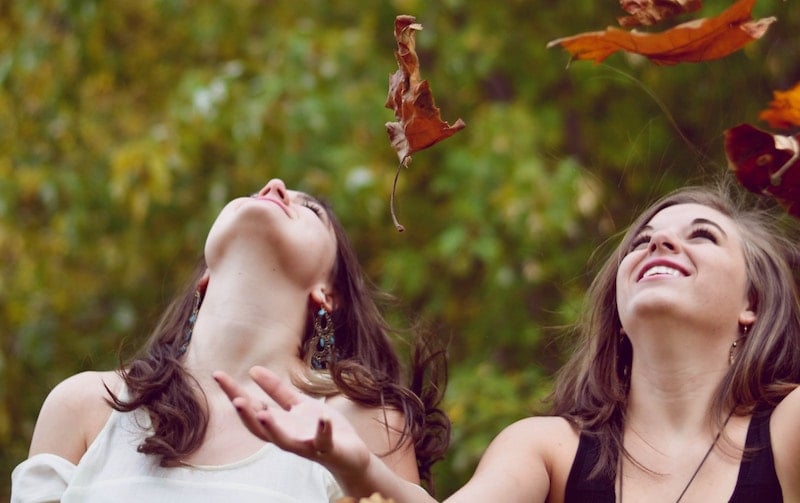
[
  {"x": 276, "y": 188},
  {"x": 663, "y": 240}
]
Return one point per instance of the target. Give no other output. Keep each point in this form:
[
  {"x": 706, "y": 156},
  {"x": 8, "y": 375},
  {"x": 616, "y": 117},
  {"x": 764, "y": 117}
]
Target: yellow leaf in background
[{"x": 784, "y": 109}]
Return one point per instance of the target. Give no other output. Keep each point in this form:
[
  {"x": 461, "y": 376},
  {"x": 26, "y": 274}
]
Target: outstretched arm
[
  {"x": 786, "y": 444},
  {"x": 318, "y": 432}
]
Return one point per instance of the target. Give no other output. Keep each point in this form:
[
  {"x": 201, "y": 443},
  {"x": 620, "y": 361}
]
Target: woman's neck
[
  {"x": 248, "y": 321},
  {"x": 674, "y": 377}
]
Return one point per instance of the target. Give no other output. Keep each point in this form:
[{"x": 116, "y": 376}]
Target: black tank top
[{"x": 757, "y": 480}]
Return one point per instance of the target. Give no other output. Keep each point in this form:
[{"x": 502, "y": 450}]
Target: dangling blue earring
[
  {"x": 187, "y": 333},
  {"x": 323, "y": 342}
]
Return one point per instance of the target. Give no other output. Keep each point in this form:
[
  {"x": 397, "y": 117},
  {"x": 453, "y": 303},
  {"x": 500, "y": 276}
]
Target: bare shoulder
[
  {"x": 550, "y": 441},
  {"x": 542, "y": 430},
  {"x": 528, "y": 461},
  {"x": 785, "y": 438},
  {"x": 73, "y": 414},
  {"x": 381, "y": 429}
]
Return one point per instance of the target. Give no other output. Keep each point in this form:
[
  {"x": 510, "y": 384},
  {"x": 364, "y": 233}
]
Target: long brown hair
[
  {"x": 367, "y": 370},
  {"x": 592, "y": 388}
]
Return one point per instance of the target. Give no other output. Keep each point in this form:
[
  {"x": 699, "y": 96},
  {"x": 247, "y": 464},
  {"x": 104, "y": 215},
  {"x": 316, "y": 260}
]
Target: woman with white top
[{"x": 279, "y": 287}]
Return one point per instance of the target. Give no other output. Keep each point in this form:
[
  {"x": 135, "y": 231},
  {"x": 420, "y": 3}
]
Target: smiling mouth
[{"x": 662, "y": 270}]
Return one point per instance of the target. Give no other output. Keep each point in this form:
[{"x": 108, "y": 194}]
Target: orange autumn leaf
[
  {"x": 699, "y": 40},
  {"x": 419, "y": 123},
  {"x": 650, "y": 12},
  {"x": 765, "y": 163},
  {"x": 784, "y": 109}
]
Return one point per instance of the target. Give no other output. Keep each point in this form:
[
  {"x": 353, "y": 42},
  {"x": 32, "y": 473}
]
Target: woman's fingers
[
  {"x": 272, "y": 384},
  {"x": 323, "y": 441},
  {"x": 249, "y": 417},
  {"x": 228, "y": 385},
  {"x": 282, "y": 434},
  {"x": 298, "y": 424},
  {"x": 245, "y": 406}
]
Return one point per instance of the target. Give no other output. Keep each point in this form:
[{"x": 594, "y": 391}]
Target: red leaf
[
  {"x": 650, "y": 12},
  {"x": 699, "y": 40},
  {"x": 766, "y": 164}
]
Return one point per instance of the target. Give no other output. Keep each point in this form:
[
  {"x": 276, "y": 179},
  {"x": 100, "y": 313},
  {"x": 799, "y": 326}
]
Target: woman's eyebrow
[{"x": 705, "y": 221}]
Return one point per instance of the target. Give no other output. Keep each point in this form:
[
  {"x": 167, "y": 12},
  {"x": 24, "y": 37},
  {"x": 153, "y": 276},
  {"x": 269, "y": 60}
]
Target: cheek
[
  {"x": 736, "y": 279},
  {"x": 330, "y": 255},
  {"x": 321, "y": 245},
  {"x": 624, "y": 274},
  {"x": 623, "y": 283},
  {"x": 218, "y": 235}
]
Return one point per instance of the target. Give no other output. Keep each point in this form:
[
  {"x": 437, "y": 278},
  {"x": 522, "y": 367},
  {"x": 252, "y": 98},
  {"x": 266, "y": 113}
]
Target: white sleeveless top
[{"x": 113, "y": 470}]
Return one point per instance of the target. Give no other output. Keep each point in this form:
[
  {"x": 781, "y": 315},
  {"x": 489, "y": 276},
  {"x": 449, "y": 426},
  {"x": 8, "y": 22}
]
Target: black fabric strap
[{"x": 757, "y": 479}]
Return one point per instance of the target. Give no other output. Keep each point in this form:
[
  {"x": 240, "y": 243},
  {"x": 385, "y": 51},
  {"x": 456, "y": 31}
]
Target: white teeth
[{"x": 661, "y": 269}]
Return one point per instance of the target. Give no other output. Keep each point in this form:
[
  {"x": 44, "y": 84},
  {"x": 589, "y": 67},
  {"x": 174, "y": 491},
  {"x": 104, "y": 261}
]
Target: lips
[
  {"x": 276, "y": 201},
  {"x": 661, "y": 269}
]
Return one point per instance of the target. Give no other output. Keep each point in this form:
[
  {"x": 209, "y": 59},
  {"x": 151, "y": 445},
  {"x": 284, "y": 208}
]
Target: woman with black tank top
[{"x": 682, "y": 386}]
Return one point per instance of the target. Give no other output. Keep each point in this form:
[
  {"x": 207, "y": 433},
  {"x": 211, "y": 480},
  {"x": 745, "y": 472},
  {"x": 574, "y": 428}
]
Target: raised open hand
[{"x": 301, "y": 424}]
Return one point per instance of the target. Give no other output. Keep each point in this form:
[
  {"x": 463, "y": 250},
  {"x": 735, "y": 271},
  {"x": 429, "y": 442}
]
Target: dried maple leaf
[
  {"x": 784, "y": 109},
  {"x": 765, "y": 163},
  {"x": 419, "y": 124},
  {"x": 699, "y": 40},
  {"x": 650, "y": 12}
]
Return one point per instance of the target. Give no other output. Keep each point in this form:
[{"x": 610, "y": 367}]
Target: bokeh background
[{"x": 126, "y": 125}]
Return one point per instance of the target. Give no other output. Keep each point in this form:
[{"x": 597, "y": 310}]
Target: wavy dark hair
[
  {"x": 592, "y": 388},
  {"x": 367, "y": 370}
]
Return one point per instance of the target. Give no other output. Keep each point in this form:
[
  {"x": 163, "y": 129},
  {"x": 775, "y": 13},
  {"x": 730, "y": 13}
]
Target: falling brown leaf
[
  {"x": 765, "y": 163},
  {"x": 419, "y": 124},
  {"x": 784, "y": 109},
  {"x": 650, "y": 12},
  {"x": 699, "y": 40}
]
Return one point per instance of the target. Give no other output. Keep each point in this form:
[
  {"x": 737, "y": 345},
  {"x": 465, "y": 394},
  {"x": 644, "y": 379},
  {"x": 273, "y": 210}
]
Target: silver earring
[
  {"x": 187, "y": 333},
  {"x": 624, "y": 355},
  {"x": 323, "y": 343},
  {"x": 731, "y": 354}
]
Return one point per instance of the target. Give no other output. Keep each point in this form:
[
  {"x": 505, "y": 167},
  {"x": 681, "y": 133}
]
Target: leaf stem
[{"x": 397, "y": 224}]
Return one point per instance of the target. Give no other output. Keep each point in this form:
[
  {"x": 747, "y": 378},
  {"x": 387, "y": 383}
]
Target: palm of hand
[{"x": 299, "y": 424}]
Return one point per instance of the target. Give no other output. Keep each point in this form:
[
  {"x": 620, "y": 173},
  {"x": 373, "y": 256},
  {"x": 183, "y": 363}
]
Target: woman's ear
[
  {"x": 747, "y": 317},
  {"x": 324, "y": 296},
  {"x": 202, "y": 283}
]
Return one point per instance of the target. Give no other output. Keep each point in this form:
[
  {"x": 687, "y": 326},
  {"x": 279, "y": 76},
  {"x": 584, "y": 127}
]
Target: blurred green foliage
[{"x": 125, "y": 126}]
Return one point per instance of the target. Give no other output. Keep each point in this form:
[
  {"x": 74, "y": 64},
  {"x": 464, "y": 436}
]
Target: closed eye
[
  {"x": 704, "y": 233},
  {"x": 639, "y": 242},
  {"x": 315, "y": 207}
]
